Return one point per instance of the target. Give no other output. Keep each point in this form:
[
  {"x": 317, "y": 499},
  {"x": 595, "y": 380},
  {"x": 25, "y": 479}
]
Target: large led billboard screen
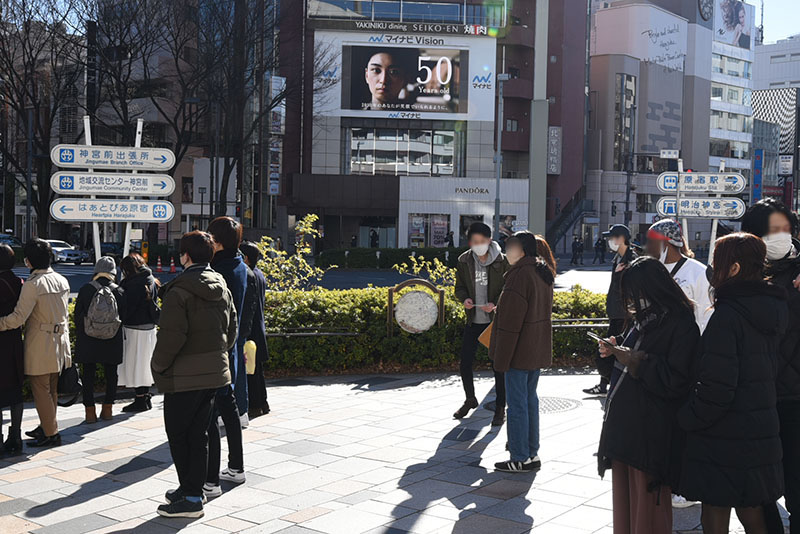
[{"x": 407, "y": 76}]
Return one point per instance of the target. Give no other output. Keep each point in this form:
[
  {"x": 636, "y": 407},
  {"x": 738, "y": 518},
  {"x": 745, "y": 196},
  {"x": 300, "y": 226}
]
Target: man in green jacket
[
  {"x": 479, "y": 282},
  {"x": 190, "y": 362}
]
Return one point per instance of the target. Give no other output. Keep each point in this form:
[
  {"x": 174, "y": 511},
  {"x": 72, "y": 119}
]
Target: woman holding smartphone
[{"x": 641, "y": 441}]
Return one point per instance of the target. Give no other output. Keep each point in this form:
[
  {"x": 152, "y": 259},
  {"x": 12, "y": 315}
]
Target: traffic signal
[{"x": 613, "y": 210}]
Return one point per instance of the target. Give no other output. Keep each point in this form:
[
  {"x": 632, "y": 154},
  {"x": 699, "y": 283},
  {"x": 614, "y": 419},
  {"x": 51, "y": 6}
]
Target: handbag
[
  {"x": 69, "y": 386},
  {"x": 485, "y": 338}
]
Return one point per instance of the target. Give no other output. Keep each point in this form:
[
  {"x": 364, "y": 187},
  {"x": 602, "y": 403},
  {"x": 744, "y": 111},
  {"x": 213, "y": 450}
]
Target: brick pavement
[{"x": 343, "y": 455}]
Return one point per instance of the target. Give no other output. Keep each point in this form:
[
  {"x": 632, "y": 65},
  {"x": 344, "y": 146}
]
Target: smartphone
[{"x": 598, "y": 338}]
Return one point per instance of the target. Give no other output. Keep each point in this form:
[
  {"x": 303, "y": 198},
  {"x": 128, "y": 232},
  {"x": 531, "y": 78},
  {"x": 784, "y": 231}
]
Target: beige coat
[{"x": 42, "y": 308}]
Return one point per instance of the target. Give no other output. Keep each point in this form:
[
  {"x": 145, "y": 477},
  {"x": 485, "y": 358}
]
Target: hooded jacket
[
  {"x": 495, "y": 269},
  {"x": 783, "y": 273},
  {"x": 522, "y": 336},
  {"x": 197, "y": 330},
  {"x": 733, "y": 450}
]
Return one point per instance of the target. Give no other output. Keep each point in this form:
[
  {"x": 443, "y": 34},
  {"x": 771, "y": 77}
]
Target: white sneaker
[
  {"x": 231, "y": 475},
  {"x": 245, "y": 420},
  {"x": 211, "y": 490},
  {"x": 681, "y": 502}
]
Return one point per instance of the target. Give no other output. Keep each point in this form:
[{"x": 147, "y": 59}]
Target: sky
[{"x": 780, "y": 18}]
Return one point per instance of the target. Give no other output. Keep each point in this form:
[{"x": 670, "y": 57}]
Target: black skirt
[{"x": 10, "y": 397}]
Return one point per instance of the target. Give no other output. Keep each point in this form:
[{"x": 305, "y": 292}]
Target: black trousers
[
  {"x": 599, "y": 255},
  {"x": 606, "y": 365},
  {"x": 88, "y": 377},
  {"x": 257, "y": 389},
  {"x": 469, "y": 347},
  {"x": 186, "y": 417},
  {"x": 789, "y": 415},
  {"x": 224, "y": 406}
]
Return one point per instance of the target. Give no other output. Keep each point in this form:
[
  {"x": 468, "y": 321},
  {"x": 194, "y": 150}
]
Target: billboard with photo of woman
[{"x": 734, "y": 23}]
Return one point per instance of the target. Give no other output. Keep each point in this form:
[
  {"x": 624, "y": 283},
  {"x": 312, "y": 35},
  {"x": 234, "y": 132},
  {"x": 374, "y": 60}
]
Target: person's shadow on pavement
[{"x": 456, "y": 477}]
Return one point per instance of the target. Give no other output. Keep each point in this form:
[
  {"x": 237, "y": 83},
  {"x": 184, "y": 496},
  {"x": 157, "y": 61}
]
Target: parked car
[
  {"x": 63, "y": 252},
  {"x": 10, "y": 240}
]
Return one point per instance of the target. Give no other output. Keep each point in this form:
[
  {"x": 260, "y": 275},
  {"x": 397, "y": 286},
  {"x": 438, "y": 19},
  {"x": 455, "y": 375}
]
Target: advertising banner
[
  {"x": 734, "y": 23},
  {"x": 407, "y": 76}
]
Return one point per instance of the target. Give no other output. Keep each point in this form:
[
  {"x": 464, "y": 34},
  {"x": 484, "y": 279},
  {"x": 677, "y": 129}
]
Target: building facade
[
  {"x": 781, "y": 107},
  {"x": 777, "y": 65},
  {"x": 395, "y": 130}
]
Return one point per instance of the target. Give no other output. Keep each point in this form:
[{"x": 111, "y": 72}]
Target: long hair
[
  {"x": 646, "y": 279},
  {"x": 131, "y": 264},
  {"x": 544, "y": 252},
  {"x": 747, "y": 250},
  {"x": 530, "y": 247},
  {"x": 730, "y": 13}
]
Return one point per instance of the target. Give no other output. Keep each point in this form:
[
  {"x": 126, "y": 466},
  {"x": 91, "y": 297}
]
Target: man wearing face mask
[
  {"x": 776, "y": 225},
  {"x": 479, "y": 282},
  {"x": 665, "y": 243},
  {"x": 619, "y": 241}
]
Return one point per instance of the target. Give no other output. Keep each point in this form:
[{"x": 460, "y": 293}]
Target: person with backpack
[
  {"x": 98, "y": 325},
  {"x": 141, "y": 316}
]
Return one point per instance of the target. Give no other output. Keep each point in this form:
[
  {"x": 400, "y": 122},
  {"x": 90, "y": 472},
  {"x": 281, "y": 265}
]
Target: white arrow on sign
[
  {"x": 702, "y": 208},
  {"x": 87, "y": 183},
  {"x": 111, "y": 210},
  {"x": 701, "y": 182},
  {"x": 113, "y": 157}
]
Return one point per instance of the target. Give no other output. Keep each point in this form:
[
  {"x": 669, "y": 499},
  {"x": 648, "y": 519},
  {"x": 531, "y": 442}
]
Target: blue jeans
[{"x": 523, "y": 413}]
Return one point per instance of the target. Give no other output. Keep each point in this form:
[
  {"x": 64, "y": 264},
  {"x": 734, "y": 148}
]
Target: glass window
[
  {"x": 431, "y": 12},
  {"x": 403, "y": 152},
  {"x": 428, "y": 230},
  {"x": 623, "y": 109},
  {"x": 734, "y": 122},
  {"x": 724, "y": 148},
  {"x": 386, "y": 10},
  {"x": 731, "y": 66}
]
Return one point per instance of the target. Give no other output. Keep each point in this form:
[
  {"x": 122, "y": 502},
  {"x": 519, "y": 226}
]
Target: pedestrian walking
[
  {"x": 98, "y": 329},
  {"x": 450, "y": 242},
  {"x": 599, "y": 250},
  {"x": 227, "y": 261},
  {"x": 733, "y": 448},
  {"x": 190, "y": 364},
  {"x": 641, "y": 441},
  {"x": 619, "y": 241},
  {"x": 43, "y": 309},
  {"x": 479, "y": 282},
  {"x": 776, "y": 225},
  {"x": 575, "y": 250},
  {"x": 12, "y": 364},
  {"x": 522, "y": 344},
  {"x": 256, "y": 386},
  {"x": 580, "y": 250},
  {"x": 139, "y": 321}
]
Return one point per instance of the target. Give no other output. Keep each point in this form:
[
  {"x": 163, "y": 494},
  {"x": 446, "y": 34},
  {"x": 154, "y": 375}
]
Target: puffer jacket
[
  {"x": 197, "y": 330},
  {"x": 43, "y": 309},
  {"x": 783, "y": 273},
  {"x": 733, "y": 450}
]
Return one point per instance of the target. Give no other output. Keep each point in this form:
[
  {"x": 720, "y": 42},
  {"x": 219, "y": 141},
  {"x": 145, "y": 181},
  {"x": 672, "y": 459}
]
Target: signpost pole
[
  {"x": 126, "y": 245},
  {"x": 87, "y": 135},
  {"x": 714, "y": 223},
  {"x": 685, "y": 222}
]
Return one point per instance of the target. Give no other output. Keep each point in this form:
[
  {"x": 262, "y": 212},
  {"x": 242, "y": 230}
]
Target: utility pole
[{"x": 498, "y": 153}]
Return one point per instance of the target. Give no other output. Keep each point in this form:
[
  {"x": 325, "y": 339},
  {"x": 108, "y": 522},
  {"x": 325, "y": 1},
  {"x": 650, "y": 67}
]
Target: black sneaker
[
  {"x": 181, "y": 508},
  {"x": 36, "y": 433},
  {"x": 175, "y": 495},
  {"x": 531, "y": 464},
  {"x": 45, "y": 442},
  {"x": 598, "y": 391}
]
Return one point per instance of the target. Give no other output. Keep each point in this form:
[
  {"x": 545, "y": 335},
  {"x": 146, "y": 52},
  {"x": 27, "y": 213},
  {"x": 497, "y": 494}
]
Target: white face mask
[
  {"x": 613, "y": 245},
  {"x": 480, "y": 250},
  {"x": 778, "y": 245}
]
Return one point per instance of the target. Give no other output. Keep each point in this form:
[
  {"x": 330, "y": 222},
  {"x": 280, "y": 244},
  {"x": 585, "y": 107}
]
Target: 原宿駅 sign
[
  {"x": 112, "y": 157},
  {"x": 99, "y": 183},
  {"x": 701, "y": 182},
  {"x": 111, "y": 210}
]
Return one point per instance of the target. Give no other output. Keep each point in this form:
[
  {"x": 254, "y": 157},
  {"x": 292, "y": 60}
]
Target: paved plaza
[{"x": 338, "y": 455}]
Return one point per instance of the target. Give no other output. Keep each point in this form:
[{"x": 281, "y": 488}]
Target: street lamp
[
  {"x": 202, "y": 191},
  {"x": 498, "y": 153}
]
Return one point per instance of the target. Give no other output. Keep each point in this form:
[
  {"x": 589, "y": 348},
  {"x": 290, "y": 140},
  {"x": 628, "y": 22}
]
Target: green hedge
[
  {"x": 364, "y": 311},
  {"x": 365, "y": 258}
]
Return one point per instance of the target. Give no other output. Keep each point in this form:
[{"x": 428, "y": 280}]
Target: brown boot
[
  {"x": 105, "y": 413},
  {"x": 91, "y": 414}
]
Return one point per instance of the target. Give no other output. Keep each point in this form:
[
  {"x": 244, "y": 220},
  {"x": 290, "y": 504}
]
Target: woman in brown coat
[
  {"x": 522, "y": 344},
  {"x": 12, "y": 373}
]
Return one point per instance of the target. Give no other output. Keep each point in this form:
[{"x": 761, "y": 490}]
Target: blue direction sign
[
  {"x": 111, "y": 210},
  {"x": 701, "y": 208},
  {"x": 112, "y": 157},
  {"x": 701, "y": 182},
  {"x": 99, "y": 183}
]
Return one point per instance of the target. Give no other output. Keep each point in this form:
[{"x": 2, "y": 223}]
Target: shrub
[
  {"x": 365, "y": 258},
  {"x": 364, "y": 311}
]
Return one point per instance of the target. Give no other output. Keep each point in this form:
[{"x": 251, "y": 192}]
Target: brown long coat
[{"x": 522, "y": 335}]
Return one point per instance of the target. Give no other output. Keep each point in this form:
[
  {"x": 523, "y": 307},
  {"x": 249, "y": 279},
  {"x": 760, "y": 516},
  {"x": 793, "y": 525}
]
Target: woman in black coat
[
  {"x": 90, "y": 351},
  {"x": 11, "y": 353},
  {"x": 733, "y": 449},
  {"x": 641, "y": 440}
]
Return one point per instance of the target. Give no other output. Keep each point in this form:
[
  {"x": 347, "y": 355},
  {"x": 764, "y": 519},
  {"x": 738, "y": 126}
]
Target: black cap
[{"x": 618, "y": 230}]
